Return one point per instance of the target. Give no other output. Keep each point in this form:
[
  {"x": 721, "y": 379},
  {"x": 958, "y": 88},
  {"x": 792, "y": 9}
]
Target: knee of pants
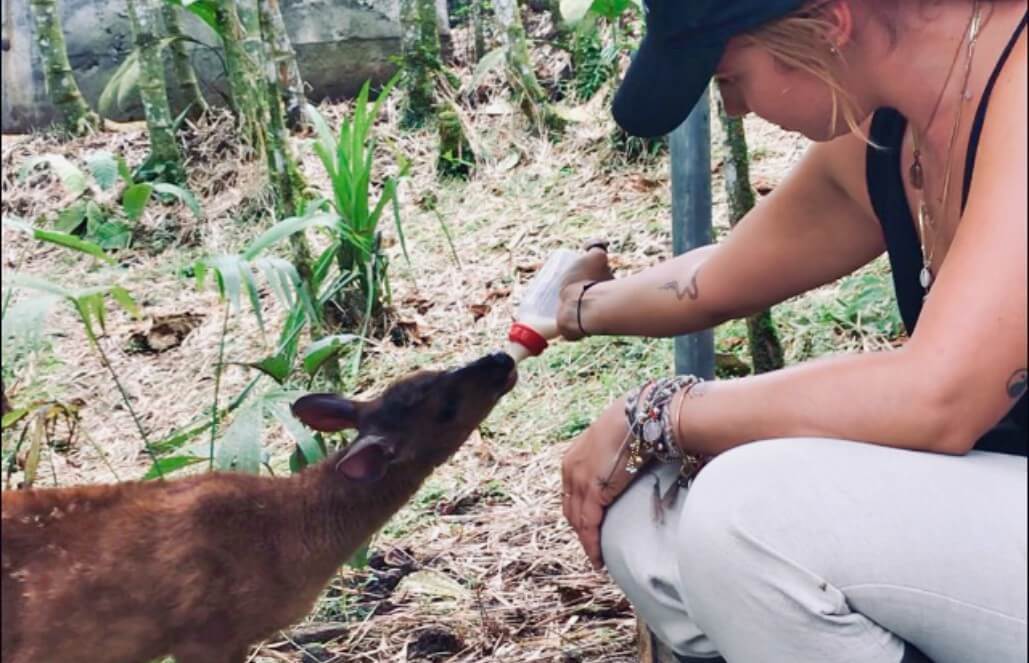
[{"x": 735, "y": 488}]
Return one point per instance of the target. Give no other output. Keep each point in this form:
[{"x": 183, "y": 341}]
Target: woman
[{"x": 854, "y": 508}]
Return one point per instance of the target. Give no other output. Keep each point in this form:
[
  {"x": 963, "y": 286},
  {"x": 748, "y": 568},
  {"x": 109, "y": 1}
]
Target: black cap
[{"x": 684, "y": 42}]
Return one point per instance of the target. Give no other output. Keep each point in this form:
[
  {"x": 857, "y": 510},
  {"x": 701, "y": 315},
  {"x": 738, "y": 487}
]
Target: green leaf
[
  {"x": 227, "y": 275},
  {"x": 180, "y": 437},
  {"x": 282, "y": 278},
  {"x": 113, "y": 235},
  {"x": 205, "y": 10},
  {"x": 284, "y": 229},
  {"x": 240, "y": 447},
  {"x": 324, "y": 349},
  {"x": 306, "y": 442},
  {"x": 73, "y": 179},
  {"x": 123, "y": 171},
  {"x": 121, "y": 83},
  {"x": 58, "y": 238},
  {"x": 610, "y": 9},
  {"x": 252, "y": 292},
  {"x": 72, "y": 242},
  {"x": 71, "y": 217},
  {"x": 182, "y": 194},
  {"x": 125, "y": 300},
  {"x": 135, "y": 198},
  {"x": 326, "y": 142},
  {"x": 104, "y": 168},
  {"x": 95, "y": 217},
  {"x": 276, "y": 367},
  {"x": 18, "y": 279},
  {"x": 200, "y": 273},
  {"x": 14, "y": 416},
  {"x": 165, "y": 466}
]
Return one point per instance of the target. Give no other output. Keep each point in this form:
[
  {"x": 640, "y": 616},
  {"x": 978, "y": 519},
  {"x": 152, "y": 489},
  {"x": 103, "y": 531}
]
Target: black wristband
[{"x": 578, "y": 306}]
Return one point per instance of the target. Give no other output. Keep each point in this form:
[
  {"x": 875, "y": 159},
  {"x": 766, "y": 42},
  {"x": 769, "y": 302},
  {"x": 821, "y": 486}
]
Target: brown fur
[{"x": 203, "y": 567}]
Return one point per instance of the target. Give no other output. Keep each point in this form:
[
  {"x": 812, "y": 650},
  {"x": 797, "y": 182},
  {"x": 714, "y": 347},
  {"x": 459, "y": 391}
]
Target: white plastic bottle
[{"x": 536, "y": 321}]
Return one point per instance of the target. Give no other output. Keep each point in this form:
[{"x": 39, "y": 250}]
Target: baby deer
[{"x": 203, "y": 567}]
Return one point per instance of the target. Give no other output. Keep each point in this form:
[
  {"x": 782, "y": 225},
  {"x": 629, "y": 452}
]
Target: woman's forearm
[
  {"x": 880, "y": 397},
  {"x": 662, "y": 300}
]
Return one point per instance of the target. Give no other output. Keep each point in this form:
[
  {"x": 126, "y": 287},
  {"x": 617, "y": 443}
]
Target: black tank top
[{"x": 886, "y": 189}]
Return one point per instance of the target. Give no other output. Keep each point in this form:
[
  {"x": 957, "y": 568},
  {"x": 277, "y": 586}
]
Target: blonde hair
[{"x": 802, "y": 40}]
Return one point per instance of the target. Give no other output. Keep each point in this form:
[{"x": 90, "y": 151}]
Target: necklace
[{"x": 916, "y": 172}]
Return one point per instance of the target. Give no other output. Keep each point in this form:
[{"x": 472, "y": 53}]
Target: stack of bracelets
[{"x": 653, "y": 428}]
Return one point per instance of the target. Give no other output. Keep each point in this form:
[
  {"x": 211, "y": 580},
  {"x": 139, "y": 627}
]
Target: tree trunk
[
  {"x": 421, "y": 58},
  {"x": 165, "y": 157},
  {"x": 478, "y": 21},
  {"x": 765, "y": 349},
  {"x": 285, "y": 178},
  {"x": 456, "y": 158},
  {"x": 76, "y": 117},
  {"x": 244, "y": 76},
  {"x": 284, "y": 58},
  {"x": 527, "y": 90},
  {"x": 185, "y": 75}
]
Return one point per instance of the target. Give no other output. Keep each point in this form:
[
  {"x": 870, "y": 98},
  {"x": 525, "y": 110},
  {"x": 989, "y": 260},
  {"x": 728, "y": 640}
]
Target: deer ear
[
  {"x": 326, "y": 412},
  {"x": 367, "y": 459}
]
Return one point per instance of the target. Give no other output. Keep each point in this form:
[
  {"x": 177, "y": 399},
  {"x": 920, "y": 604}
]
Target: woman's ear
[{"x": 841, "y": 19}]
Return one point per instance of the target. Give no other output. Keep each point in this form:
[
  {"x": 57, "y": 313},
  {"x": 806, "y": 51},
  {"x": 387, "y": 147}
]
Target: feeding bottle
[{"x": 536, "y": 321}]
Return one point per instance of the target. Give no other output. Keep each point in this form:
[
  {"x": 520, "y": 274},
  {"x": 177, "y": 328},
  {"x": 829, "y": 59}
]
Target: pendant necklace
[{"x": 916, "y": 174}]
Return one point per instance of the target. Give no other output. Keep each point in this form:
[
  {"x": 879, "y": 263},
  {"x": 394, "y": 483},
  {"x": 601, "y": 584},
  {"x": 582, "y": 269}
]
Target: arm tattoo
[
  {"x": 1017, "y": 383},
  {"x": 689, "y": 290}
]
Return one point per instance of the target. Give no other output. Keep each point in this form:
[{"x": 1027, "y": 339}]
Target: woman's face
[{"x": 752, "y": 81}]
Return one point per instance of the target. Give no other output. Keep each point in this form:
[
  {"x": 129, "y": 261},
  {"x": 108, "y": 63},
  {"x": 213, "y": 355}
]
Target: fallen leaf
[
  {"x": 498, "y": 293},
  {"x": 164, "y": 333},
  {"x": 643, "y": 184},
  {"x": 479, "y": 311},
  {"x": 433, "y": 584}
]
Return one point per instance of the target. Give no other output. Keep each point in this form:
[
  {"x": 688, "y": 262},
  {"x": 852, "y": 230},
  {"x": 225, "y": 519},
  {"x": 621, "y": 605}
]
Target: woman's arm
[
  {"x": 810, "y": 231},
  {"x": 963, "y": 368}
]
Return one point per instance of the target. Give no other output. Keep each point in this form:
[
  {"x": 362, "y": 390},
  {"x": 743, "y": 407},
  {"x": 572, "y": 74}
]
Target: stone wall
[{"x": 339, "y": 44}]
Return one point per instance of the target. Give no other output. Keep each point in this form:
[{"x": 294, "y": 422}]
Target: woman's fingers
[{"x": 591, "y": 515}]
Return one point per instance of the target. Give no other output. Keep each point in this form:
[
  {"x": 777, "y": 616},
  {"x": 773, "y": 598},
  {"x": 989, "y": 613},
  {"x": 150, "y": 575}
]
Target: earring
[{"x": 835, "y": 51}]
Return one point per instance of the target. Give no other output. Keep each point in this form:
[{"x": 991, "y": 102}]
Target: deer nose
[
  {"x": 498, "y": 368},
  {"x": 501, "y": 359}
]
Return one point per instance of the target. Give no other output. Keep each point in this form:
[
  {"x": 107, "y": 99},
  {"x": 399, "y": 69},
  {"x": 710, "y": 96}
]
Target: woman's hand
[
  {"x": 593, "y": 475},
  {"x": 590, "y": 268}
]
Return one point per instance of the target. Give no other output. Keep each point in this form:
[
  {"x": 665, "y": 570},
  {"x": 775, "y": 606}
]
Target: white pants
[{"x": 829, "y": 551}]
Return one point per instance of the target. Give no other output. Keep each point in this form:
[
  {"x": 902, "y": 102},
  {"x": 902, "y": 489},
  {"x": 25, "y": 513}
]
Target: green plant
[
  {"x": 239, "y": 446},
  {"x": 356, "y": 244},
  {"x": 594, "y": 57},
  {"x": 88, "y": 303},
  {"x": 100, "y": 212}
]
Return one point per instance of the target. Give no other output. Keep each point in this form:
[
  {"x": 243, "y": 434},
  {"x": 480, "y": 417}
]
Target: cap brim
[{"x": 662, "y": 85}]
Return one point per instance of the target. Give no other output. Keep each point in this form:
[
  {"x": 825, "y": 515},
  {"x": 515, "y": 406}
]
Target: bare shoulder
[{"x": 1003, "y": 139}]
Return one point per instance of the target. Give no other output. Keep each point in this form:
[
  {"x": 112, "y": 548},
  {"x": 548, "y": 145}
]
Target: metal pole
[{"x": 690, "y": 146}]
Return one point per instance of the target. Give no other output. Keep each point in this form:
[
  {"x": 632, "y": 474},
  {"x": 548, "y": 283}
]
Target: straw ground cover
[{"x": 480, "y": 566}]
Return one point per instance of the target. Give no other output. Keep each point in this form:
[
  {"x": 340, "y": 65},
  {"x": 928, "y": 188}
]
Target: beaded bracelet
[{"x": 651, "y": 425}]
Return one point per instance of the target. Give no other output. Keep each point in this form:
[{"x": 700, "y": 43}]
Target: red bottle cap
[{"x": 528, "y": 338}]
